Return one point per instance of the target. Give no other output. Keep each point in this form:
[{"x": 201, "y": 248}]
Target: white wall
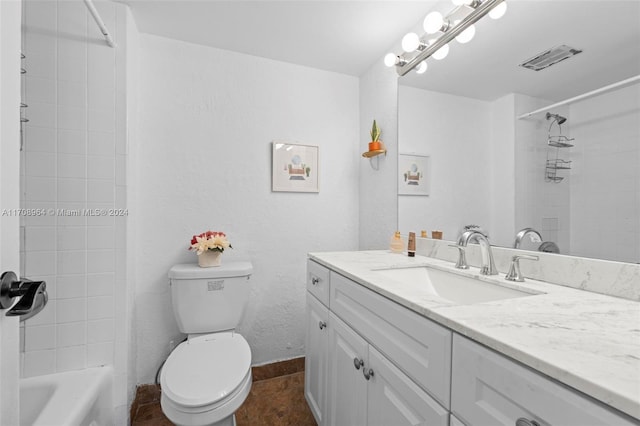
[
  {"x": 9, "y": 199},
  {"x": 605, "y": 178},
  {"x": 74, "y": 158},
  {"x": 378, "y": 210},
  {"x": 206, "y": 121},
  {"x": 455, "y": 132}
]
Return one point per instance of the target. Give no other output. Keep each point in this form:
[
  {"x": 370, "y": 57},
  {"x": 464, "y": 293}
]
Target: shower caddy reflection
[{"x": 559, "y": 141}]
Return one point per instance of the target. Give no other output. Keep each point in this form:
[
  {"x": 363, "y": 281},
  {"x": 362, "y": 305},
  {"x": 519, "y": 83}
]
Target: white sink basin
[{"x": 453, "y": 287}]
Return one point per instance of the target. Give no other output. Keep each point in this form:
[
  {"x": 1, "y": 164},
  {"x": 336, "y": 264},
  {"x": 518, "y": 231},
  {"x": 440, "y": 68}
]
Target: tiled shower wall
[{"x": 73, "y": 158}]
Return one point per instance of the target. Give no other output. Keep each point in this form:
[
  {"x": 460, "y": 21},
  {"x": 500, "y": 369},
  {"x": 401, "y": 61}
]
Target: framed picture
[
  {"x": 413, "y": 174},
  {"x": 294, "y": 168}
]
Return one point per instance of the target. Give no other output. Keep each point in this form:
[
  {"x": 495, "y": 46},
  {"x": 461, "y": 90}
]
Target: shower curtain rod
[
  {"x": 101, "y": 25},
  {"x": 583, "y": 96}
]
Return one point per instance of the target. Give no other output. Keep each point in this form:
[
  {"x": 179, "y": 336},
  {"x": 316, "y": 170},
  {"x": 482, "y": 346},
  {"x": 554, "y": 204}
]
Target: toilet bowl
[{"x": 206, "y": 379}]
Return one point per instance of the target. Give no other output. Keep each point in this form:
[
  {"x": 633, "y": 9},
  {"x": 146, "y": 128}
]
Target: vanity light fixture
[{"x": 462, "y": 29}]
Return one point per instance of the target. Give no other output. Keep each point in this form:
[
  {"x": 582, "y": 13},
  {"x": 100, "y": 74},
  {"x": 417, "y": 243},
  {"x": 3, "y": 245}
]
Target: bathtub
[{"x": 73, "y": 398}]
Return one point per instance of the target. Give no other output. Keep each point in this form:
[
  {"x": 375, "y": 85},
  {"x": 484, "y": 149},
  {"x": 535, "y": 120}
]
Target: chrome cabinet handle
[
  {"x": 322, "y": 324},
  {"x": 369, "y": 374},
  {"x": 357, "y": 363},
  {"x": 315, "y": 280},
  {"x": 526, "y": 422}
]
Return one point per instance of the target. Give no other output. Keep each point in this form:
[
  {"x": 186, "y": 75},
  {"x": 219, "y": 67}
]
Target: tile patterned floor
[{"x": 275, "y": 401}]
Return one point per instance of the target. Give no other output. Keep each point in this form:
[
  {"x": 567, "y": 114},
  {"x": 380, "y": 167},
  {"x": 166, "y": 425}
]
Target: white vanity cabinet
[
  {"x": 365, "y": 388},
  {"x": 491, "y": 389},
  {"x": 317, "y": 341},
  {"x": 382, "y": 363}
]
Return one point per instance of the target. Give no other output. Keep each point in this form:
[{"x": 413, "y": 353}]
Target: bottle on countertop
[
  {"x": 396, "y": 245},
  {"x": 411, "y": 248}
]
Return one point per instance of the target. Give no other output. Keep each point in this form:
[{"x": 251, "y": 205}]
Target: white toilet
[{"x": 207, "y": 377}]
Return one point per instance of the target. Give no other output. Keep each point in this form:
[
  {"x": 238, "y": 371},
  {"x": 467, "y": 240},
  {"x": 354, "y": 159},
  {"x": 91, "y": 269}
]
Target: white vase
[{"x": 209, "y": 258}]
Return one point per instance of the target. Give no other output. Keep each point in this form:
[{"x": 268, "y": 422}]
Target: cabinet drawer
[
  {"x": 490, "y": 389},
  {"x": 418, "y": 346},
  {"x": 318, "y": 281}
]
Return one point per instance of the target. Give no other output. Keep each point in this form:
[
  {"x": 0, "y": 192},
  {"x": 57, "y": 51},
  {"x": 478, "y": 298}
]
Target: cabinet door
[
  {"x": 394, "y": 399},
  {"x": 317, "y": 352},
  {"x": 347, "y": 388},
  {"x": 490, "y": 389}
]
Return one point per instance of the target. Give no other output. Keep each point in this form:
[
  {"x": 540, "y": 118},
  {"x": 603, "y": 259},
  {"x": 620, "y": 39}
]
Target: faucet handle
[
  {"x": 514, "y": 273},
  {"x": 462, "y": 257}
]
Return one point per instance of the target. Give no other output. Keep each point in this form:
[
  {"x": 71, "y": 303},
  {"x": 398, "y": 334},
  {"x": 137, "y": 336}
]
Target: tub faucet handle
[{"x": 33, "y": 295}]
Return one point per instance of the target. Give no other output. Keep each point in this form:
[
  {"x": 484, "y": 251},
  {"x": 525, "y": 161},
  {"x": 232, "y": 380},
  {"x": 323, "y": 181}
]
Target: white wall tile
[
  {"x": 100, "y": 191},
  {"x": 40, "y": 263},
  {"x": 40, "y": 189},
  {"x": 72, "y": 94},
  {"x": 72, "y": 118},
  {"x": 40, "y": 238},
  {"x": 71, "y": 334},
  {"x": 72, "y": 190},
  {"x": 72, "y": 238},
  {"x": 72, "y": 142},
  {"x": 71, "y": 286},
  {"x": 47, "y": 315},
  {"x": 121, "y": 170},
  {"x": 40, "y": 89},
  {"x": 100, "y": 237},
  {"x": 42, "y": 15},
  {"x": 71, "y": 262},
  {"x": 43, "y": 220},
  {"x": 40, "y": 337},
  {"x": 71, "y": 358},
  {"x": 101, "y": 120},
  {"x": 100, "y": 354},
  {"x": 40, "y": 139},
  {"x": 72, "y": 166},
  {"x": 101, "y": 331},
  {"x": 41, "y": 115},
  {"x": 72, "y": 19},
  {"x": 39, "y": 42},
  {"x": 71, "y": 310},
  {"x": 70, "y": 214},
  {"x": 41, "y": 64},
  {"x": 38, "y": 363},
  {"x": 100, "y": 220},
  {"x": 72, "y": 67},
  {"x": 40, "y": 164},
  {"x": 101, "y": 168},
  {"x": 100, "y": 284},
  {"x": 100, "y": 307},
  {"x": 101, "y": 98},
  {"x": 101, "y": 143},
  {"x": 99, "y": 261}
]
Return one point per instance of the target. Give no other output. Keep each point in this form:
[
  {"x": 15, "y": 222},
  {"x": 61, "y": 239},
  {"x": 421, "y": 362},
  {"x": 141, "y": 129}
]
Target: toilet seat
[{"x": 208, "y": 375}]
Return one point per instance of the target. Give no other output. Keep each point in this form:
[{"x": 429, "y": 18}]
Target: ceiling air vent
[{"x": 550, "y": 57}]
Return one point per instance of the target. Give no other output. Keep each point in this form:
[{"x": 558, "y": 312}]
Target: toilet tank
[{"x": 207, "y": 300}]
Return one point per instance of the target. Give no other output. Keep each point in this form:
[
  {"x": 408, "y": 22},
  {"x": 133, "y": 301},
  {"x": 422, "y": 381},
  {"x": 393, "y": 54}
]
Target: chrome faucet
[
  {"x": 535, "y": 236},
  {"x": 488, "y": 265}
]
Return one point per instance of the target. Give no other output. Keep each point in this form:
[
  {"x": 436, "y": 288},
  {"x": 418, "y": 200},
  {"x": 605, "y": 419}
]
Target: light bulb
[
  {"x": 467, "y": 35},
  {"x": 390, "y": 59},
  {"x": 421, "y": 68},
  {"x": 410, "y": 42},
  {"x": 441, "y": 53},
  {"x": 498, "y": 11},
  {"x": 433, "y": 22}
]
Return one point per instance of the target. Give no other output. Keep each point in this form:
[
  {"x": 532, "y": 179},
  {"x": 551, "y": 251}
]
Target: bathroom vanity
[{"x": 387, "y": 346}]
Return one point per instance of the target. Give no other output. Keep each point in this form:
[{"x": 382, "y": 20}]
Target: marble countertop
[{"x": 588, "y": 341}]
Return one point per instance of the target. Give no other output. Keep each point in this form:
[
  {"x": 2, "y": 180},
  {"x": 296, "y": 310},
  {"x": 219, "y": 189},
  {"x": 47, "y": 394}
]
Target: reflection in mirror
[{"x": 490, "y": 168}]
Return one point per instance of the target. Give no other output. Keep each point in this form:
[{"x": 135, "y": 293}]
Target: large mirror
[{"x": 490, "y": 168}]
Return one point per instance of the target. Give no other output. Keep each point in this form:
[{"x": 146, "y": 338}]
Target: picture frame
[
  {"x": 295, "y": 167},
  {"x": 414, "y": 174}
]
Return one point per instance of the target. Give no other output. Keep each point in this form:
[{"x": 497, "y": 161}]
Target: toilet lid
[{"x": 206, "y": 369}]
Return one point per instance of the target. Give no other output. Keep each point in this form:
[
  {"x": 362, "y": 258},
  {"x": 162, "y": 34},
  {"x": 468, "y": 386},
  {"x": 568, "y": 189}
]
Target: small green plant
[{"x": 375, "y": 132}]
